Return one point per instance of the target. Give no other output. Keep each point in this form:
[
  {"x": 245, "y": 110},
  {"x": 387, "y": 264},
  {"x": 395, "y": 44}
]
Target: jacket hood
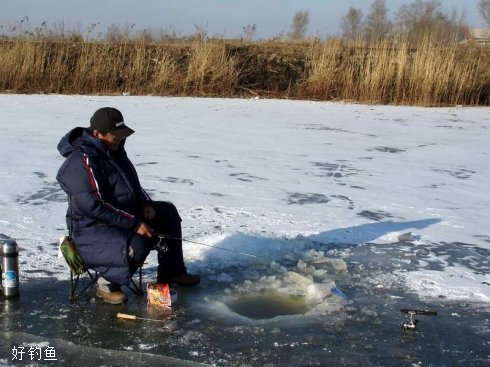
[
  {"x": 81, "y": 137},
  {"x": 68, "y": 142}
]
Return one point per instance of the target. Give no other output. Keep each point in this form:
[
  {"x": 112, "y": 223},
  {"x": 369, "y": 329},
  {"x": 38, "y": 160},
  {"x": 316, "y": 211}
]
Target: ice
[
  {"x": 280, "y": 202},
  {"x": 319, "y": 272},
  {"x": 339, "y": 264},
  {"x": 369, "y": 312},
  {"x": 301, "y": 264},
  {"x": 224, "y": 278},
  {"x": 282, "y": 270},
  {"x": 275, "y": 266},
  {"x": 275, "y": 284},
  {"x": 270, "y": 278},
  {"x": 321, "y": 260},
  {"x": 313, "y": 254},
  {"x": 253, "y": 275},
  {"x": 318, "y": 291},
  {"x": 310, "y": 270},
  {"x": 283, "y": 290},
  {"x": 144, "y": 346},
  {"x": 299, "y": 280},
  {"x": 406, "y": 237}
]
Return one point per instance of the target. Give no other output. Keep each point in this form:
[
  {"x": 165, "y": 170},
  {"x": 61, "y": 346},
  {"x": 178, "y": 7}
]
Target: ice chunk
[
  {"x": 253, "y": 275},
  {"x": 368, "y": 312},
  {"x": 275, "y": 266},
  {"x": 312, "y": 292},
  {"x": 275, "y": 284},
  {"x": 311, "y": 254},
  {"x": 310, "y": 270},
  {"x": 406, "y": 237},
  {"x": 282, "y": 290},
  {"x": 224, "y": 278},
  {"x": 321, "y": 260},
  {"x": 319, "y": 272},
  {"x": 318, "y": 291},
  {"x": 143, "y": 346},
  {"x": 299, "y": 279},
  {"x": 282, "y": 270},
  {"x": 339, "y": 264},
  {"x": 290, "y": 257},
  {"x": 261, "y": 261},
  {"x": 301, "y": 265}
]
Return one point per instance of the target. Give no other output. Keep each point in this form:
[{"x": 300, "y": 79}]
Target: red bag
[{"x": 159, "y": 294}]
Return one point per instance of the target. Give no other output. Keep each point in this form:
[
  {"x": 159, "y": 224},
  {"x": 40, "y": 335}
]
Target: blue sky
[{"x": 219, "y": 17}]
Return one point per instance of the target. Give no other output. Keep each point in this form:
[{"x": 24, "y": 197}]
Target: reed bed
[
  {"x": 102, "y": 68},
  {"x": 393, "y": 73},
  {"x": 389, "y": 72}
]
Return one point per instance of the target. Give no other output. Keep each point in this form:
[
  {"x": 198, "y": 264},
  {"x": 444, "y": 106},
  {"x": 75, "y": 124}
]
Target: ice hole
[{"x": 268, "y": 305}]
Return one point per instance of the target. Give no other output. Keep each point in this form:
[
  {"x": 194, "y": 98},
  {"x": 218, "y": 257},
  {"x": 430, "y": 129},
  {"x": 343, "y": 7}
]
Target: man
[{"x": 111, "y": 218}]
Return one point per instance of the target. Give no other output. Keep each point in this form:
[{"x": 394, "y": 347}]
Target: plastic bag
[
  {"x": 159, "y": 294},
  {"x": 71, "y": 255}
]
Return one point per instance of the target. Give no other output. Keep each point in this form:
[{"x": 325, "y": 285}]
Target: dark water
[
  {"x": 268, "y": 306},
  {"x": 202, "y": 329}
]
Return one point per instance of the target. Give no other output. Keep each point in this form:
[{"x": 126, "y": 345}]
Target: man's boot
[
  {"x": 115, "y": 296},
  {"x": 185, "y": 280}
]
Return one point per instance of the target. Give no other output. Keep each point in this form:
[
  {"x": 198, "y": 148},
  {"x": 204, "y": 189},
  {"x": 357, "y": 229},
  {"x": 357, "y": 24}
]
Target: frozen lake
[{"x": 319, "y": 192}]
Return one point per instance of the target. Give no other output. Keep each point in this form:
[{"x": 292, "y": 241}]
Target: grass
[{"x": 390, "y": 72}]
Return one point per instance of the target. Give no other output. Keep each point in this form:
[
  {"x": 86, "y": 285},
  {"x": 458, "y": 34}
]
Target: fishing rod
[
  {"x": 134, "y": 317},
  {"x": 412, "y": 324},
  {"x": 166, "y": 237}
]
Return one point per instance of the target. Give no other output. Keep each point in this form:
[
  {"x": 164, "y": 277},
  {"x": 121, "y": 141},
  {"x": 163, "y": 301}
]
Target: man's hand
[
  {"x": 144, "y": 230},
  {"x": 148, "y": 212}
]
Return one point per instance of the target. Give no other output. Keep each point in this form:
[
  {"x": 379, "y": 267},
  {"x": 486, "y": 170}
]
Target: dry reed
[
  {"x": 390, "y": 72},
  {"x": 211, "y": 70},
  {"x": 205, "y": 68}
]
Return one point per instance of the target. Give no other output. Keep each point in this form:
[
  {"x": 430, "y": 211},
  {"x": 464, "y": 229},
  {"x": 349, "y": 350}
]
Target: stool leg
[
  {"x": 73, "y": 297},
  {"x": 141, "y": 280}
]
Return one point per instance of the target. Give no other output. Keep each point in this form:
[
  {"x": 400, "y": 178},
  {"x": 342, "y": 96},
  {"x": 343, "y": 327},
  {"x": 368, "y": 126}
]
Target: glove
[{"x": 160, "y": 244}]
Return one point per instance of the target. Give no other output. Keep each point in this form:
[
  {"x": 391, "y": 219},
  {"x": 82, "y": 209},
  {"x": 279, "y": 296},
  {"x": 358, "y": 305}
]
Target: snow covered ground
[{"x": 292, "y": 182}]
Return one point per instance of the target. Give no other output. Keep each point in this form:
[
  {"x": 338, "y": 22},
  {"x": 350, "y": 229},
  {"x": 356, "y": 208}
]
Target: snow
[
  {"x": 456, "y": 283},
  {"x": 272, "y": 178}
]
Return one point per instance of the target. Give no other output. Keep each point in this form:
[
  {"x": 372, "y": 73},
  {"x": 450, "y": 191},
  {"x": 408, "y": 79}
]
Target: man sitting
[{"x": 112, "y": 219}]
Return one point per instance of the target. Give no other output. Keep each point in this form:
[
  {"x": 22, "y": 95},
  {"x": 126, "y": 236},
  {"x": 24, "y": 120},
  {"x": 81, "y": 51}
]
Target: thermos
[{"x": 9, "y": 256}]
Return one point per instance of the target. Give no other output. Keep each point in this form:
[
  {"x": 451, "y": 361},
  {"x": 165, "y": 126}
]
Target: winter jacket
[{"x": 106, "y": 200}]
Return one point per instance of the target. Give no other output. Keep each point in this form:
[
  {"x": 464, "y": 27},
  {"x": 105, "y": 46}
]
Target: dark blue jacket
[{"x": 106, "y": 201}]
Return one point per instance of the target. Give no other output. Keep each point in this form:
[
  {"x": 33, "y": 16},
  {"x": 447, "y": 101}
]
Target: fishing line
[
  {"x": 332, "y": 175},
  {"x": 205, "y": 244}
]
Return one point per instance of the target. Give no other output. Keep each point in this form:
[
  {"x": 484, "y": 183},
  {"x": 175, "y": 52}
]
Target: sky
[{"x": 219, "y": 17}]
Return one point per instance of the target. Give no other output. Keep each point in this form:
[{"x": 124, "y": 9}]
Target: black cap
[{"x": 110, "y": 120}]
